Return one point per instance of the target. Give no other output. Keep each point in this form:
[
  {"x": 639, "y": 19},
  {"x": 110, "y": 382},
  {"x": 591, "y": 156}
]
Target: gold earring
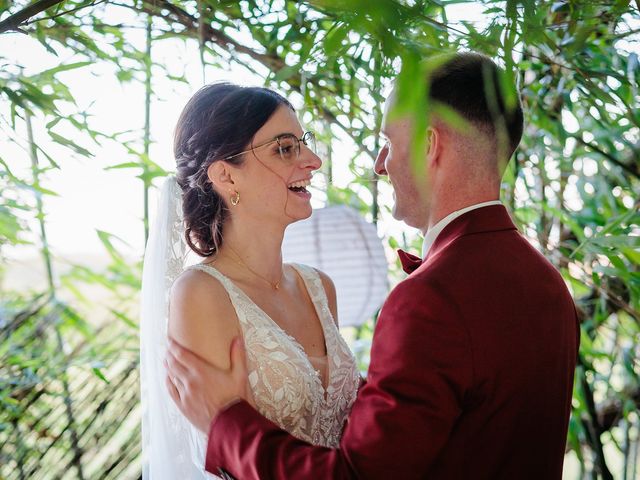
[{"x": 235, "y": 199}]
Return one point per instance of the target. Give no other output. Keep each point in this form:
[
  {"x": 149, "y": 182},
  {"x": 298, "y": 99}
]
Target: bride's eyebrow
[
  {"x": 265, "y": 142},
  {"x": 272, "y": 139},
  {"x": 285, "y": 133}
]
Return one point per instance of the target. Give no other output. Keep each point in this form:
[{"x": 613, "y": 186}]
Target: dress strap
[
  {"x": 316, "y": 290},
  {"x": 213, "y": 272},
  {"x": 234, "y": 295}
]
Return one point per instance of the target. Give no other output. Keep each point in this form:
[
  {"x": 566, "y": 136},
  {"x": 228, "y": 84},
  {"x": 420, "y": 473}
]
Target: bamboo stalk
[
  {"x": 46, "y": 253},
  {"x": 77, "y": 459},
  {"x": 375, "y": 207},
  {"x": 147, "y": 126},
  {"x": 201, "y": 37}
]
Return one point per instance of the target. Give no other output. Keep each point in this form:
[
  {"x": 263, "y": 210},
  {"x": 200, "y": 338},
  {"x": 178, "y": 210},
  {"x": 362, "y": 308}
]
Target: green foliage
[{"x": 573, "y": 184}]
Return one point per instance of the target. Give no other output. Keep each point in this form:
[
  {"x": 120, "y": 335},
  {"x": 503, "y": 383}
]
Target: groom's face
[{"x": 394, "y": 160}]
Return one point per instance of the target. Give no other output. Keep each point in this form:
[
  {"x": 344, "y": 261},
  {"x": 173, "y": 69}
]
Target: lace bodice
[{"x": 286, "y": 387}]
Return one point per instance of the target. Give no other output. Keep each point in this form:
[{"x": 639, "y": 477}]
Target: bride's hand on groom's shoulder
[{"x": 200, "y": 390}]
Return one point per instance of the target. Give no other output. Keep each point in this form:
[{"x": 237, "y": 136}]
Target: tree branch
[
  {"x": 65, "y": 12},
  {"x": 154, "y": 7},
  {"x": 273, "y": 62},
  {"x": 14, "y": 21}
]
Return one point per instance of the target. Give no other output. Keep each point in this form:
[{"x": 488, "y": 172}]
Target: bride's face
[{"x": 273, "y": 178}]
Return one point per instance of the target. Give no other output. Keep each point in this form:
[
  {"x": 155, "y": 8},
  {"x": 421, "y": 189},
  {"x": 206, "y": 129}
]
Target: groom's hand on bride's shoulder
[{"x": 201, "y": 390}]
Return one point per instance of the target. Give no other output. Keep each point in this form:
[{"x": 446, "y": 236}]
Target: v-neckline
[{"x": 294, "y": 341}]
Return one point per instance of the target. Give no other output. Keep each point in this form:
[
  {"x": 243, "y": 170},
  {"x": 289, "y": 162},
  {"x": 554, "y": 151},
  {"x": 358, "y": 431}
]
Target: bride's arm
[{"x": 202, "y": 318}]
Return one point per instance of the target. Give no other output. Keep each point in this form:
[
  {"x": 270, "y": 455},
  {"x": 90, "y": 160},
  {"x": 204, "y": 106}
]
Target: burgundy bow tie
[{"x": 409, "y": 262}]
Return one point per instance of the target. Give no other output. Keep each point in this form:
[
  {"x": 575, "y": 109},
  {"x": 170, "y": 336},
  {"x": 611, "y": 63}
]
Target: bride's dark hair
[{"x": 218, "y": 121}]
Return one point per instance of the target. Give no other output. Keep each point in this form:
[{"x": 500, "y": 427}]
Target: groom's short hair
[{"x": 474, "y": 86}]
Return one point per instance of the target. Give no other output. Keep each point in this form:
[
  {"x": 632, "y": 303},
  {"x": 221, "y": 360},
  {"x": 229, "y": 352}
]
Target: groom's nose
[{"x": 379, "y": 167}]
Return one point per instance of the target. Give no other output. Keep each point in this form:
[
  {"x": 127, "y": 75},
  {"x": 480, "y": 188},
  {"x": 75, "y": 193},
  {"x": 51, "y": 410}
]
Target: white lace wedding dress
[{"x": 286, "y": 383}]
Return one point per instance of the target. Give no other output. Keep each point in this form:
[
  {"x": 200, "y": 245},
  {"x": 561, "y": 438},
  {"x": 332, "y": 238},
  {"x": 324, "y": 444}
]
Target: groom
[{"x": 472, "y": 362}]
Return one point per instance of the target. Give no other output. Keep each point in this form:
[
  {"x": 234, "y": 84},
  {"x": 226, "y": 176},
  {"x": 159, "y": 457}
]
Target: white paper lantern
[{"x": 338, "y": 241}]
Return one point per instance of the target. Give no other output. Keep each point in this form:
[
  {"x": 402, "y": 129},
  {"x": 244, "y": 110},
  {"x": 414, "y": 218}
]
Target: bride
[{"x": 243, "y": 165}]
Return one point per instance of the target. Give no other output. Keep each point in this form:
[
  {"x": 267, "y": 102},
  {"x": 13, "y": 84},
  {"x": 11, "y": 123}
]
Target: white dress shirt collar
[{"x": 434, "y": 231}]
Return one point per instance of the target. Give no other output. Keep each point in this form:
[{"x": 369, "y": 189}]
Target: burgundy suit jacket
[{"x": 471, "y": 374}]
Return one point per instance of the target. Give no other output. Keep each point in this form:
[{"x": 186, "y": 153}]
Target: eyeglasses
[{"x": 288, "y": 146}]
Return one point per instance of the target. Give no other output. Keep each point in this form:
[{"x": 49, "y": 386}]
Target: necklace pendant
[{"x": 277, "y": 286}]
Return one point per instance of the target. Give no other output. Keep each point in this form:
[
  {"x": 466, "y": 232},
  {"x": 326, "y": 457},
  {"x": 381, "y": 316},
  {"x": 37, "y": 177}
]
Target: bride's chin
[
  {"x": 300, "y": 214},
  {"x": 308, "y": 214}
]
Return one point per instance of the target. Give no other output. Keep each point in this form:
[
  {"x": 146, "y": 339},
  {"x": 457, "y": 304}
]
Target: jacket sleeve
[{"x": 419, "y": 373}]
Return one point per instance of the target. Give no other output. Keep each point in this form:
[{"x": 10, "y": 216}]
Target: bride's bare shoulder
[
  {"x": 202, "y": 317},
  {"x": 196, "y": 283}
]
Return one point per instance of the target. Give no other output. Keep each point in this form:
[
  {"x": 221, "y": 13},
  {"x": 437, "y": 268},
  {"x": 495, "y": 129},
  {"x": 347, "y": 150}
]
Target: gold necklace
[{"x": 275, "y": 286}]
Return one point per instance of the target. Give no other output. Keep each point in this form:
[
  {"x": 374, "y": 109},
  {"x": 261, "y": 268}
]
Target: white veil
[{"x": 171, "y": 447}]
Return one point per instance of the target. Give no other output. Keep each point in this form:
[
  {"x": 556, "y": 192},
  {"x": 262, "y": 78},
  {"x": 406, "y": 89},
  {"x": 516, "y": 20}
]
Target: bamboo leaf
[
  {"x": 69, "y": 143},
  {"x": 61, "y": 68}
]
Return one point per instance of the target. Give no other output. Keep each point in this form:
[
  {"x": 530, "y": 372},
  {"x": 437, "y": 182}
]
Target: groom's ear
[
  {"x": 434, "y": 145},
  {"x": 220, "y": 175}
]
